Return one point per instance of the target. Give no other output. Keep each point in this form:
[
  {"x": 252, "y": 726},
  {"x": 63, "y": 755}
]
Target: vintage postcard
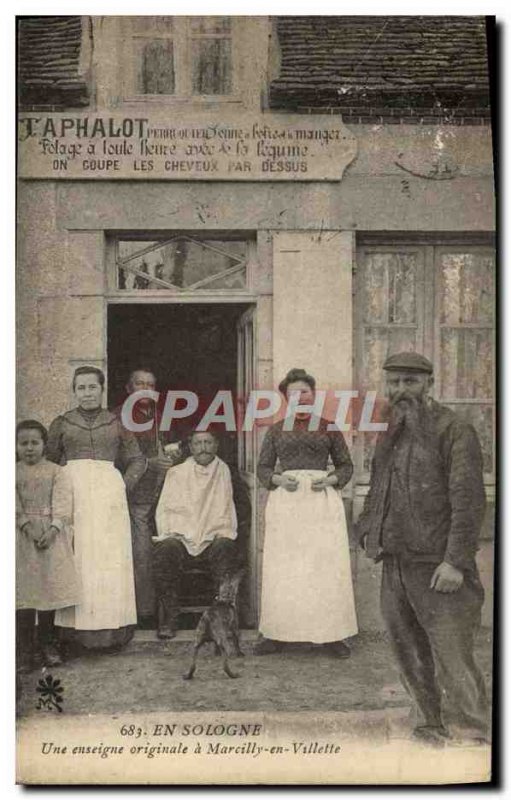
[{"x": 255, "y": 476}]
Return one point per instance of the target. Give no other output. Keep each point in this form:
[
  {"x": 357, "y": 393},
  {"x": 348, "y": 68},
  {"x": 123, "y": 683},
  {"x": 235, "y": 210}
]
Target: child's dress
[{"x": 45, "y": 579}]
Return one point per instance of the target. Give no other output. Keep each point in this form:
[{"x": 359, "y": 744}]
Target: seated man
[{"x": 197, "y": 523}]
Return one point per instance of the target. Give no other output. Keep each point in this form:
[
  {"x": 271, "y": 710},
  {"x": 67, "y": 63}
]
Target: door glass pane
[
  {"x": 236, "y": 280},
  {"x": 390, "y": 287},
  {"x": 466, "y": 288},
  {"x": 211, "y": 66},
  {"x": 467, "y": 362},
  {"x": 392, "y": 296},
  {"x": 466, "y": 315},
  {"x": 378, "y": 344},
  {"x": 481, "y": 417},
  {"x": 462, "y": 299},
  {"x": 201, "y": 262},
  {"x": 149, "y": 263},
  {"x": 182, "y": 263}
]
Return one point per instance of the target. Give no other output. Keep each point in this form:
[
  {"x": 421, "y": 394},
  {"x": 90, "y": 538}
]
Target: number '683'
[{"x": 131, "y": 730}]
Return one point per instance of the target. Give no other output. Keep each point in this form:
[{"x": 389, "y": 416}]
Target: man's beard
[
  {"x": 407, "y": 412},
  {"x": 204, "y": 461}
]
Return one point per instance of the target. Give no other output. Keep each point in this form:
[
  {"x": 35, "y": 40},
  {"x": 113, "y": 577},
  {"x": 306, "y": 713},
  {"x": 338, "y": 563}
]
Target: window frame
[
  {"x": 428, "y": 309},
  {"x": 165, "y": 236},
  {"x": 181, "y": 36}
]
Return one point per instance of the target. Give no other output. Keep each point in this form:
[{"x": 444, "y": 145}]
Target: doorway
[{"x": 198, "y": 347}]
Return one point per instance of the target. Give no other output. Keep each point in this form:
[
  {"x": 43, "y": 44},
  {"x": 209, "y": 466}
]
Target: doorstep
[{"x": 147, "y": 639}]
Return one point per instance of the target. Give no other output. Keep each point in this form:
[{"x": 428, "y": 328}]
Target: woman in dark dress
[
  {"x": 87, "y": 440},
  {"x": 307, "y": 590}
]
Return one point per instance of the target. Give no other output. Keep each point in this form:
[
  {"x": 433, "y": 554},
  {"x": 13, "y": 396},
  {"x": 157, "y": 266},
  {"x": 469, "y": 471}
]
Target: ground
[{"x": 147, "y": 676}]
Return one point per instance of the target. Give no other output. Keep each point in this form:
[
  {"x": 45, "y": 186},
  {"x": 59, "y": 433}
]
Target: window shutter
[{"x": 312, "y": 305}]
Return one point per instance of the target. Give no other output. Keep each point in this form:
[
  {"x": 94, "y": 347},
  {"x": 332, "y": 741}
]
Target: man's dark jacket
[
  {"x": 148, "y": 488},
  {"x": 444, "y": 484}
]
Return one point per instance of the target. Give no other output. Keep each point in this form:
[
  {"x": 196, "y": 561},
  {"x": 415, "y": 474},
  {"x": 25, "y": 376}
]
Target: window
[
  {"x": 182, "y": 264},
  {"x": 464, "y": 339},
  {"x": 439, "y": 300},
  {"x": 180, "y": 57}
]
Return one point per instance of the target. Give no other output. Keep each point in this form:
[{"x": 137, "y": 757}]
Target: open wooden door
[{"x": 246, "y": 448}]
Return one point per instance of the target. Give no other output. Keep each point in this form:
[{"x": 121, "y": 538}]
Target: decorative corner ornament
[{"x": 51, "y": 694}]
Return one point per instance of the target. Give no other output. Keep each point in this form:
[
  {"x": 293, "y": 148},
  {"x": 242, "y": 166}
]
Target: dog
[{"x": 219, "y": 624}]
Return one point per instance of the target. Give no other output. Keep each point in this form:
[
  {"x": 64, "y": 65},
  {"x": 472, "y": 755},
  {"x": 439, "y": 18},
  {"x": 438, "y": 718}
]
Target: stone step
[
  {"x": 147, "y": 639},
  {"x": 186, "y": 635}
]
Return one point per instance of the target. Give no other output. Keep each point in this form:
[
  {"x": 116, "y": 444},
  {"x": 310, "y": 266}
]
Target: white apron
[
  {"x": 102, "y": 547},
  {"x": 307, "y": 590}
]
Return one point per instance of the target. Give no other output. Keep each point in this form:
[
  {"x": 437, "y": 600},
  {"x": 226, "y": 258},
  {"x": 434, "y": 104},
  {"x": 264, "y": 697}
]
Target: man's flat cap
[{"x": 408, "y": 362}]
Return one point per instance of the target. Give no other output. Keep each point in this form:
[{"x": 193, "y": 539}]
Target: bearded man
[
  {"x": 422, "y": 518},
  {"x": 203, "y": 519}
]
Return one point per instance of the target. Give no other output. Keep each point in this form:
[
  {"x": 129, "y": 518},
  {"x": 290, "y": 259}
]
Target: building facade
[{"x": 224, "y": 198}]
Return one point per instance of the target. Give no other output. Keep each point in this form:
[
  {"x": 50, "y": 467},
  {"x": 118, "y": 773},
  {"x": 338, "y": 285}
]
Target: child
[{"x": 45, "y": 572}]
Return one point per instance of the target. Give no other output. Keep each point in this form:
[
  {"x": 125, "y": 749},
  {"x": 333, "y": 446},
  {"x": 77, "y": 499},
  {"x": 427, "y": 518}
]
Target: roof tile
[
  {"x": 382, "y": 61},
  {"x": 49, "y": 62}
]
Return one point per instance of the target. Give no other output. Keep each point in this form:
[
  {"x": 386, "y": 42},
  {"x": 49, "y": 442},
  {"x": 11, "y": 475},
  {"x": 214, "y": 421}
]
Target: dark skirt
[{"x": 105, "y": 639}]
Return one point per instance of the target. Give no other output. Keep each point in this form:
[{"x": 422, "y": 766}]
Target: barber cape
[{"x": 196, "y": 505}]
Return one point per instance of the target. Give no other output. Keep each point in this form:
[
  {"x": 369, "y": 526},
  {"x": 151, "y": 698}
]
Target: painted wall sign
[
  {"x": 268, "y": 147},
  {"x": 430, "y": 156}
]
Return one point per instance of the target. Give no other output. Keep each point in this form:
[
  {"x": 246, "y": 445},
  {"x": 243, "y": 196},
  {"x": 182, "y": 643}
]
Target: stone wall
[{"x": 63, "y": 260}]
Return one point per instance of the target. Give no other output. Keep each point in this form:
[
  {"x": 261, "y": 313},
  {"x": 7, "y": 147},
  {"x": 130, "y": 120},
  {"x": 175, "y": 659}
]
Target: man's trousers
[
  {"x": 170, "y": 557},
  {"x": 432, "y": 636},
  {"x": 142, "y": 529}
]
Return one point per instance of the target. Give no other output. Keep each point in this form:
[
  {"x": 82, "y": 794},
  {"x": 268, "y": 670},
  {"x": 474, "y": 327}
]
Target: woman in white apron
[
  {"x": 307, "y": 589},
  {"x": 88, "y": 440}
]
